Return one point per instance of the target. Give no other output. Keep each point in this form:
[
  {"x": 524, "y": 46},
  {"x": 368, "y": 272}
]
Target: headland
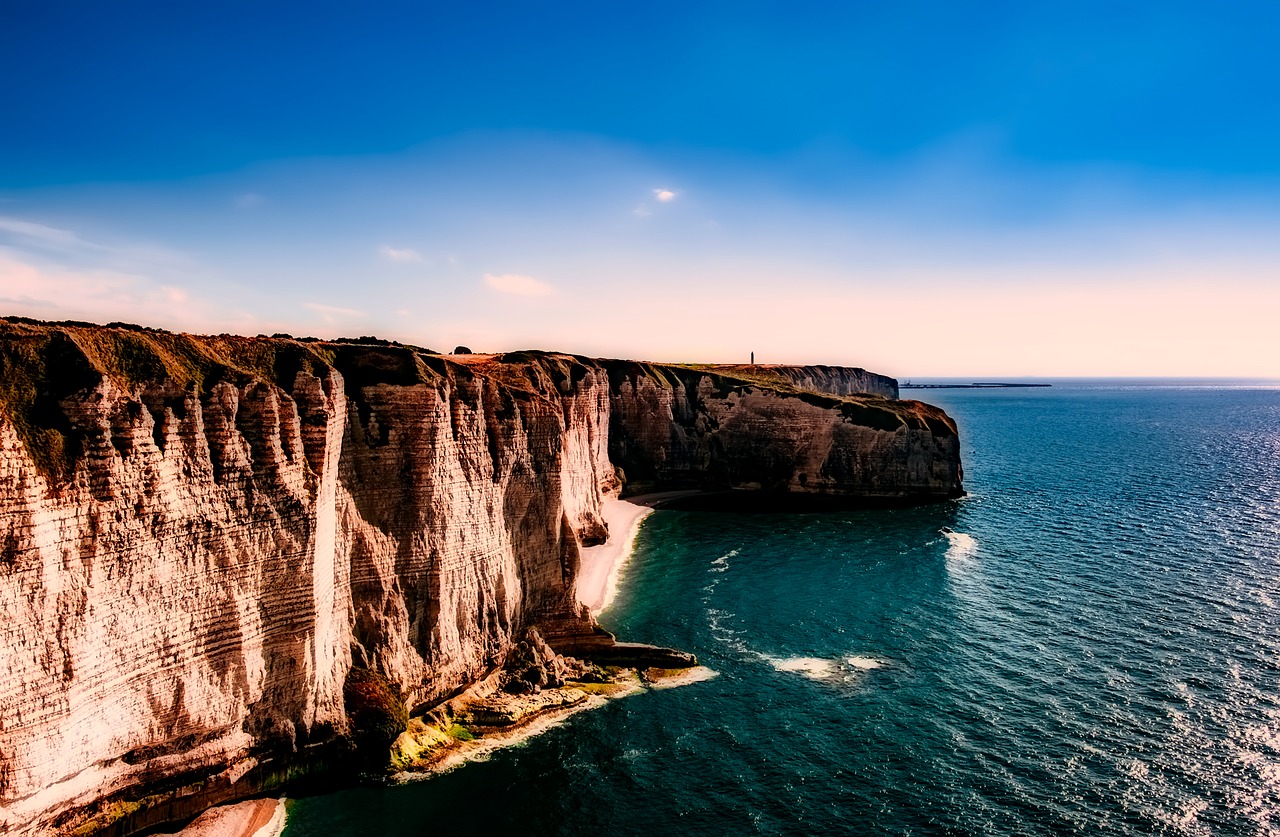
[{"x": 233, "y": 566}]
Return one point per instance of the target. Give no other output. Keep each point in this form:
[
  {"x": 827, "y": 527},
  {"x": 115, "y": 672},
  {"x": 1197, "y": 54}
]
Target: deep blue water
[{"x": 1096, "y": 652}]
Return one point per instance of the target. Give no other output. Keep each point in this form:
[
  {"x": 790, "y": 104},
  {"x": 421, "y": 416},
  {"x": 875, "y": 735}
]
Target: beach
[
  {"x": 251, "y": 818},
  {"x": 601, "y": 565}
]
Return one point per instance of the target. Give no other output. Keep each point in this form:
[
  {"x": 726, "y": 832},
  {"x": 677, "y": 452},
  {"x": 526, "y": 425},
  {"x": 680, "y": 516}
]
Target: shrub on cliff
[{"x": 376, "y": 712}]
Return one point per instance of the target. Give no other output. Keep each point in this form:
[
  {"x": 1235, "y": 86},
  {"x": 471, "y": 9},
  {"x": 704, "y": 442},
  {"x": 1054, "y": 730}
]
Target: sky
[{"x": 919, "y": 188}]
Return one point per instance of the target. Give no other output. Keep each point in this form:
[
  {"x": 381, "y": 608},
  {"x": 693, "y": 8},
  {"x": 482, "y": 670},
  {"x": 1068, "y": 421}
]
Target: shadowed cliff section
[
  {"x": 203, "y": 537},
  {"x": 683, "y": 427}
]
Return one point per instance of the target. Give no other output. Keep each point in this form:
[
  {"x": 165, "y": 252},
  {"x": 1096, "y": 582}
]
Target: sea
[{"x": 1088, "y": 643}]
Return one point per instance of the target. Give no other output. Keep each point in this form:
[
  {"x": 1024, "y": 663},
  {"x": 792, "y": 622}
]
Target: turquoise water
[{"x": 1096, "y": 650}]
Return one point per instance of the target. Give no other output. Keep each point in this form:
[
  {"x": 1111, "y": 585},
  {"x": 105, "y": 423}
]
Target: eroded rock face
[
  {"x": 237, "y": 522},
  {"x": 675, "y": 427}
]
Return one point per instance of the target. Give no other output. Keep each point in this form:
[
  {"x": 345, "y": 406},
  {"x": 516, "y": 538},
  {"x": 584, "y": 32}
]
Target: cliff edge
[{"x": 205, "y": 537}]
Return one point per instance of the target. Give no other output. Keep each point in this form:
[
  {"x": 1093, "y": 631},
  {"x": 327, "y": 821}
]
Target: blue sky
[{"x": 920, "y": 188}]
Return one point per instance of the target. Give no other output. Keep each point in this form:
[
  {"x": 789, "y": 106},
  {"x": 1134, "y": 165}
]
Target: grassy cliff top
[{"x": 42, "y": 363}]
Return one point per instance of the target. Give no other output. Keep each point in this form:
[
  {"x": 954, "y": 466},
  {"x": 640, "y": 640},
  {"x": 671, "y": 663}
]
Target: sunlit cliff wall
[{"x": 201, "y": 536}]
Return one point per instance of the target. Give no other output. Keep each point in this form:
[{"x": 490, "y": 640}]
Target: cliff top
[{"x": 43, "y": 363}]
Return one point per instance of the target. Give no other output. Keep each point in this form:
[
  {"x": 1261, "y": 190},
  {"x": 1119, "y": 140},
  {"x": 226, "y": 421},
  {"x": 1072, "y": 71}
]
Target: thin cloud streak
[
  {"x": 57, "y": 292},
  {"x": 39, "y": 241},
  {"x": 517, "y": 284},
  {"x": 400, "y": 255},
  {"x": 42, "y": 234},
  {"x": 333, "y": 314}
]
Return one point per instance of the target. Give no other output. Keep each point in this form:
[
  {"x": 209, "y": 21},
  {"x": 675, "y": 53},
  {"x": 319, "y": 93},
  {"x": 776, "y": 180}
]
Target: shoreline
[
  {"x": 250, "y": 818},
  {"x": 459, "y": 753},
  {"x": 601, "y": 569},
  {"x": 599, "y": 577},
  {"x": 489, "y": 740}
]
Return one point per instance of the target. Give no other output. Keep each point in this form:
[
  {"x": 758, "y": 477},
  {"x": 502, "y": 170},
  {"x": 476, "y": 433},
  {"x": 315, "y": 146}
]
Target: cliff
[
  {"x": 690, "y": 427},
  {"x": 204, "y": 537},
  {"x": 833, "y": 380}
]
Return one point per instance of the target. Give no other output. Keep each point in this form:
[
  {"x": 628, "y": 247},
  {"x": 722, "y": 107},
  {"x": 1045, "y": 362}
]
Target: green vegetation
[
  {"x": 461, "y": 733},
  {"x": 761, "y": 377},
  {"x": 110, "y": 814},
  {"x": 133, "y": 359},
  {"x": 417, "y": 746},
  {"x": 42, "y": 364},
  {"x": 604, "y": 689},
  {"x": 872, "y": 415},
  {"x": 867, "y": 410},
  {"x": 37, "y": 370}
]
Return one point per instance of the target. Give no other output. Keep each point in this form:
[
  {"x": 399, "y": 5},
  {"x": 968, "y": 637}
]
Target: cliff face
[
  {"x": 202, "y": 536},
  {"x": 833, "y": 380},
  {"x": 683, "y": 427}
]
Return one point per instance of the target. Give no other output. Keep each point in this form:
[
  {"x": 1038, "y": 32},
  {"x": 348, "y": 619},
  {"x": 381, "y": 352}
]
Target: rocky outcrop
[{"x": 203, "y": 537}]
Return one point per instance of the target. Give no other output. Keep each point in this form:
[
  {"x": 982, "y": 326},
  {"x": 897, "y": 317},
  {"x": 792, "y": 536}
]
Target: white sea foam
[
  {"x": 960, "y": 544},
  {"x": 844, "y": 670},
  {"x": 722, "y": 563},
  {"x": 811, "y": 667},
  {"x": 275, "y": 827},
  {"x": 722, "y": 632},
  {"x": 697, "y": 674},
  {"x": 715, "y": 617},
  {"x": 814, "y": 668}
]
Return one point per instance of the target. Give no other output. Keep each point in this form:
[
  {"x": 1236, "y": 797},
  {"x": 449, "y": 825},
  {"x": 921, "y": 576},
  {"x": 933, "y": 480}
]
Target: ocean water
[{"x": 1093, "y": 648}]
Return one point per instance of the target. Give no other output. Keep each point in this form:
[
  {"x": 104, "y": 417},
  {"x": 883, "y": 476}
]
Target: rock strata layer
[{"x": 203, "y": 536}]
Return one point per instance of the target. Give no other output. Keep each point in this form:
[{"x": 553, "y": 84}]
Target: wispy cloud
[
  {"x": 41, "y": 234},
  {"x": 517, "y": 284},
  {"x": 644, "y": 209},
  {"x": 60, "y": 292},
  {"x": 249, "y": 199},
  {"x": 333, "y": 314},
  {"x": 400, "y": 255},
  {"x": 39, "y": 241}
]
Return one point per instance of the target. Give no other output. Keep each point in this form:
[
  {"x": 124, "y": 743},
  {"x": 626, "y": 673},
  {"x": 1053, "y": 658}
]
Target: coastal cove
[
  {"x": 1092, "y": 650},
  {"x": 357, "y": 558}
]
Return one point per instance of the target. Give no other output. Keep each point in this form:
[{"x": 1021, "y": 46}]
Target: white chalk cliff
[{"x": 202, "y": 536}]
